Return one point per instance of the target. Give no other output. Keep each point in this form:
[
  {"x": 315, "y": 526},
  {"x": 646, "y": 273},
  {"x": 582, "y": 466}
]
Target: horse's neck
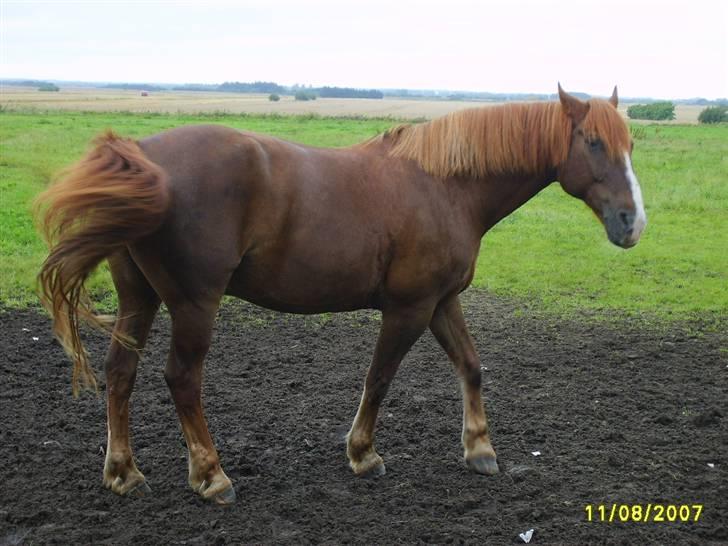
[{"x": 498, "y": 196}]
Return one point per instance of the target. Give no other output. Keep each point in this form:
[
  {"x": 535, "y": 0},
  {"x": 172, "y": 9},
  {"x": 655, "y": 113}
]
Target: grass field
[{"x": 551, "y": 253}]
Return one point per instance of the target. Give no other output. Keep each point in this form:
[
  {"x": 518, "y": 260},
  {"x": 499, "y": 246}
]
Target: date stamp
[{"x": 643, "y": 513}]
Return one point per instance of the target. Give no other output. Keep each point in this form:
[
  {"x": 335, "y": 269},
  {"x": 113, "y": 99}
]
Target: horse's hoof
[
  {"x": 226, "y": 497},
  {"x": 374, "y": 472},
  {"x": 141, "y": 490},
  {"x": 483, "y": 465}
]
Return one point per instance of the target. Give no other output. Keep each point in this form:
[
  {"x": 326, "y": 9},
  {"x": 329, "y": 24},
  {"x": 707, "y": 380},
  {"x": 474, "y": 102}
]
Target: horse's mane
[{"x": 511, "y": 138}]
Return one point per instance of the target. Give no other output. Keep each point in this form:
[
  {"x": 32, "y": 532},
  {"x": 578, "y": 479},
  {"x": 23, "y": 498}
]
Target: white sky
[{"x": 665, "y": 48}]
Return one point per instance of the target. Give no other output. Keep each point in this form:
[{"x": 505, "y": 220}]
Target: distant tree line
[
  {"x": 42, "y": 85},
  {"x": 268, "y": 88},
  {"x": 26, "y": 83},
  {"x": 349, "y": 93},
  {"x": 272, "y": 88},
  {"x": 136, "y": 86},
  {"x": 196, "y": 87},
  {"x": 254, "y": 87}
]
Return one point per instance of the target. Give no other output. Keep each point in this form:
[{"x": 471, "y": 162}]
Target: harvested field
[{"x": 114, "y": 100}]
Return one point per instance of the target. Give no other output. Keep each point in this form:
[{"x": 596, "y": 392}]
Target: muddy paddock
[{"x": 620, "y": 413}]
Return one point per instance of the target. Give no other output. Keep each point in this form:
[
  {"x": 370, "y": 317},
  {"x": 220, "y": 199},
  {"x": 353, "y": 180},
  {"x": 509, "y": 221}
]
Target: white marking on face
[{"x": 640, "y": 220}]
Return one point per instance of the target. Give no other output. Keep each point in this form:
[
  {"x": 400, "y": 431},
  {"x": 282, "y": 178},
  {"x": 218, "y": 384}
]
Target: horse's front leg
[
  {"x": 401, "y": 327},
  {"x": 448, "y": 326}
]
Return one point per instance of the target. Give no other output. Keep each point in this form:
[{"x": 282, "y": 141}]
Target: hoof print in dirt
[{"x": 707, "y": 418}]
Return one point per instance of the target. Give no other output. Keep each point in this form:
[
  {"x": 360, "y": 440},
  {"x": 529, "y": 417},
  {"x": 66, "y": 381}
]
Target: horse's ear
[
  {"x": 613, "y": 100},
  {"x": 573, "y": 107}
]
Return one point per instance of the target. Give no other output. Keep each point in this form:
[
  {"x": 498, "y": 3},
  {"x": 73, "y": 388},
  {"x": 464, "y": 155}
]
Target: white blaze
[{"x": 640, "y": 219}]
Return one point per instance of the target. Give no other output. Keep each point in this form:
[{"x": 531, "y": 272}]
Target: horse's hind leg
[
  {"x": 448, "y": 326},
  {"x": 138, "y": 304},
  {"x": 192, "y": 324}
]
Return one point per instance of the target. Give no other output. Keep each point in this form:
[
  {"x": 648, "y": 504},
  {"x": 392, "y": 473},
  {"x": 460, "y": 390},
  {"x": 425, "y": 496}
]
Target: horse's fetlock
[
  {"x": 119, "y": 459},
  {"x": 357, "y": 445}
]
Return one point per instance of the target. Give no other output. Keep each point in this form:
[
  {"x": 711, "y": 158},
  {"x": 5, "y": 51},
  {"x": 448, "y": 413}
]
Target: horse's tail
[{"x": 111, "y": 197}]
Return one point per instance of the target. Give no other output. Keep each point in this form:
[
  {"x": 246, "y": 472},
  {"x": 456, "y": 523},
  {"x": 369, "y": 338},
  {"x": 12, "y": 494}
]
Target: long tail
[{"x": 112, "y": 197}]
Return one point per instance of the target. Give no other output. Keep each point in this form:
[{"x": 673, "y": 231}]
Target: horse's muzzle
[{"x": 623, "y": 227}]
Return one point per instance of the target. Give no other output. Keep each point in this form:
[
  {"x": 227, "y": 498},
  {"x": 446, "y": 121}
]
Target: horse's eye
[{"x": 595, "y": 145}]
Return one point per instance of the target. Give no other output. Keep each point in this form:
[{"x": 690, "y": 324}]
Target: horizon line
[{"x": 396, "y": 88}]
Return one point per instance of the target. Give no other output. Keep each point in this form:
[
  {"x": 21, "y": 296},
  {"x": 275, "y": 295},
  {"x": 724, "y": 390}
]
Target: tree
[
  {"x": 654, "y": 111},
  {"x": 714, "y": 114},
  {"x": 304, "y": 95}
]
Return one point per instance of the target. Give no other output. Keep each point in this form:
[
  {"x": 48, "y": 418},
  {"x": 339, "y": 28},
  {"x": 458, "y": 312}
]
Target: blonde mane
[{"x": 511, "y": 138}]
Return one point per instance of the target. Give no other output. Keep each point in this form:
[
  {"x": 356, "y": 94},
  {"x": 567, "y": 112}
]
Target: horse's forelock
[{"x": 605, "y": 123}]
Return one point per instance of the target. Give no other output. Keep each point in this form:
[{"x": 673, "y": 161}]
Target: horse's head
[{"x": 598, "y": 168}]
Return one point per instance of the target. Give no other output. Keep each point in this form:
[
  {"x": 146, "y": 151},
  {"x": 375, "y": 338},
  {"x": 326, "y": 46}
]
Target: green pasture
[{"x": 551, "y": 253}]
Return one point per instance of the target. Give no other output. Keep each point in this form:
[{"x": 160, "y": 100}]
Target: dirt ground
[{"x": 619, "y": 414}]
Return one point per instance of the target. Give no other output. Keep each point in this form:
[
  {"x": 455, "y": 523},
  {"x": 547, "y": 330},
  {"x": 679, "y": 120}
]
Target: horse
[{"x": 394, "y": 224}]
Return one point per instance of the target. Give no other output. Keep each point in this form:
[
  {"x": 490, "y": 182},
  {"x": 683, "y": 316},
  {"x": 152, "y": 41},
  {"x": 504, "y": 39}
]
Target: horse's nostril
[{"x": 627, "y": 219}]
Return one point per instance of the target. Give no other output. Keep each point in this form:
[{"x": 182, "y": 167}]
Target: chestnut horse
[{"x": 189, "y": 215}]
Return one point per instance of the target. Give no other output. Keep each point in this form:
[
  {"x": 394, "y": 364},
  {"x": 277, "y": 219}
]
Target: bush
[
  {"x": 714, "y": 114},
  {"x": 303, "y": 95},
  {"x": 273, "y": 97},
  {"x": 48, "y": 87},
  {"x": 654, "y": 111}
]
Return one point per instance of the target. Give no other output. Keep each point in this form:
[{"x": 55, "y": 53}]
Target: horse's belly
[{"x": 316, "y": 280}]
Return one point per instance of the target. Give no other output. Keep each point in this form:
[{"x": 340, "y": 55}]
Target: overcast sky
[{"x": 653, "y": 48}]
